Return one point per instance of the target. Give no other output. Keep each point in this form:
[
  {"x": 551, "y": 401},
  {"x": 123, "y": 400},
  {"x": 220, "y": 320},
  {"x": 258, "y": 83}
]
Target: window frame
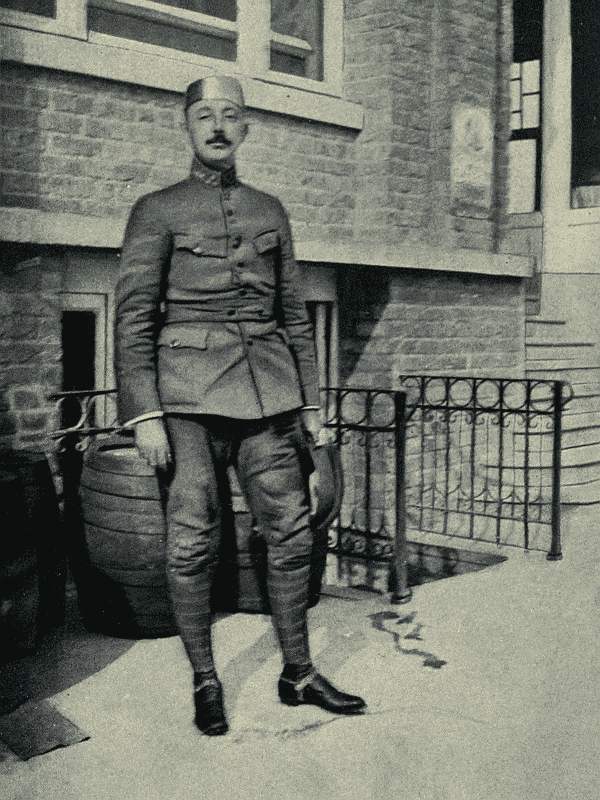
[
  {"x": 531, "y": 134},
  {"x": 70, "y": 19},
  {"x": 252, "y": 30}
]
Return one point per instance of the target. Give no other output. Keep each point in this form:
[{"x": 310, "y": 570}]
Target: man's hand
[
  {"x": 311, "y": 421},
  {"x": 152, "y": 442}
]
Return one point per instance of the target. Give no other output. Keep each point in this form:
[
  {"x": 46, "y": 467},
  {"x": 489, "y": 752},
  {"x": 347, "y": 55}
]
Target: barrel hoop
[
  {"x": 96, "y": 480},
  {"x": 115, "y": 460}
]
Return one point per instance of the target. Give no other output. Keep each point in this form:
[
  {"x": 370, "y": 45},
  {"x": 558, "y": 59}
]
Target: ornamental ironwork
[{"x": 465, "y": 457}]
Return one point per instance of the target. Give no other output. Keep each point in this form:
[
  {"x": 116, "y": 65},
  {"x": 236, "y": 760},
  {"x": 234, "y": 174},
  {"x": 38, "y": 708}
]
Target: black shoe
[
  {"x": 210, "y": 716},
  {"x": 317, "y": 691}
]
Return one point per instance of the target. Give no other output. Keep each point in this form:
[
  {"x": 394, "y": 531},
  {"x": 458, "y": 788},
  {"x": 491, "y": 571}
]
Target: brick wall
[
  {"x": 85, "y": 146},
  {"x": 420, "y": 69},
  {"x": 413, "y": 66},
  {"x": 79, "y": 145},
  {"x": 396, "y": 322},
  {"x": 30, "y": 347}
]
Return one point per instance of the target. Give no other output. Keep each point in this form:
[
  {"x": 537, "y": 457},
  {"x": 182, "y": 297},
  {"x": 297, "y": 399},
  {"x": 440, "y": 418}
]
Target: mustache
[{"x": 218, "y": 138}]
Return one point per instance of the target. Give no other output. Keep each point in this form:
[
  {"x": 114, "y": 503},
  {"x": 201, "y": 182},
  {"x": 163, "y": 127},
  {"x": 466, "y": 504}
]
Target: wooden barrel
[
  {"x": 123, "y": 591},
  {"x": 19, "y": 586},
  {"x": 43, "y": 528},
  {"x": 123, "y": 588}
]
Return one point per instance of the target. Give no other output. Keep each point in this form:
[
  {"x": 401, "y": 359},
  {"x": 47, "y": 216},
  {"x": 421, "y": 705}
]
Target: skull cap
[{"x": 215, "y": 87}]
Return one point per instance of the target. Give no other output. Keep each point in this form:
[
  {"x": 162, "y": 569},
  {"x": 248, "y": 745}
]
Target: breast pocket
[
  {"x": 266, "y": 242},
  {"x": 178, "y": 338},
  {"x": 201, "y": 246}
]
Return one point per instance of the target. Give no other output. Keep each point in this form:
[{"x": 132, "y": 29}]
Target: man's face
[{"x": 216, "y": 129}]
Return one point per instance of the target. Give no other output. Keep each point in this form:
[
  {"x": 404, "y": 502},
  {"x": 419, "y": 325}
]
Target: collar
[{"x": 213, "y": 177}]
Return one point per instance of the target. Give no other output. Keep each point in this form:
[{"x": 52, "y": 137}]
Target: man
[{"x": 216, "y": 366}]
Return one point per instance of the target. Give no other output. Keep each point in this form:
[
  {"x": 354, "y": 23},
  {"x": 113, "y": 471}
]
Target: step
[
  {"x": 584, "y": 420},
  {"x": 571, "y": 437},
  {"x": 571, "y": 458},
  {"x": 545, "y": 321},
  {"x": 588, "y": 389},
  {"x": 572, "y": 372},
  {"x": 584, "y": 494},
  {"x": 558, "y": 365},
  {"x": 558, "y": 351},
  {"x": 579, "y": 437},
  {"x": 535, "y": 328},
  {"x": 542, "y": 480},
  {"x": 592, "y": 439},
  {"x": 586, "y": 402}
]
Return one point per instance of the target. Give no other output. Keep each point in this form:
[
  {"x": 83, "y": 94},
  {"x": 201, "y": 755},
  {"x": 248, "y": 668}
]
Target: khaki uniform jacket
[{"x": 210, "y": 319}]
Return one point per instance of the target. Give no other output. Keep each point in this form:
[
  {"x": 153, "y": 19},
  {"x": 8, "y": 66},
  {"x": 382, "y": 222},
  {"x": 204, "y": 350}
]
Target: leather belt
[{"x": 190, "y": 312}]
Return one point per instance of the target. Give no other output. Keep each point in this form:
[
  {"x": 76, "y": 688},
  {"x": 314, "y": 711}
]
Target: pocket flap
[
  {"x": 266, "y": 241},
  {"x": 215, "y": 248},
  {"x": 178, "y": 336}
]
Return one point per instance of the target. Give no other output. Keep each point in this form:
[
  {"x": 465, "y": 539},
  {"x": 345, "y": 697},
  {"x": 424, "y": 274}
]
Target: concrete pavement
[{"x": 484, "y": 686}]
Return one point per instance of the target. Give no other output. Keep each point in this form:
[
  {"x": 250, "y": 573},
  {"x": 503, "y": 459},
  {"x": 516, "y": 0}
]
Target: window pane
[
  {"x": 531, "y": 111},
  {"x": 302, "y": 19},
  {"x": 531, "y": 76},
  {"x": 173, "y": 36},
  {"x": 585, "y": 29},
  {"x": 224, "y": 9},
  {"x": 528, "y": 29},
  {"x": 43, "y": 8},
  {"x": 515, "y": 95},
  {"x": 78, "y": 359},
  {"x": 522, "y": 177}
]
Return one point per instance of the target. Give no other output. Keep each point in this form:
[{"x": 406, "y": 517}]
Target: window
[
  {"x": 43, "y": 8},
  {"x": 297, "y": 37},
  {"x": 66, "y": 17},
  {"x": 86, "y": 330},
  {"x": 525, "y": 149},
  {"x": 585, "y": 31},
  {"x": 200, "y": 27},
  {"x": 169, "y": 43},
  {"x": 286, "y": 37}
]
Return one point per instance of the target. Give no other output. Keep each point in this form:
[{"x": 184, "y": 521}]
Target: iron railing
[
  {"x": 474, "y": 458},
  {"x": 375, "y": 418},
  {"x": 483, "y": 459},
  {"x": 470, "y": 458}
]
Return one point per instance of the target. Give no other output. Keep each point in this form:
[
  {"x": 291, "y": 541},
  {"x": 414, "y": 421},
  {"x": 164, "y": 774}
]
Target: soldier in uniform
[{"x": 216, "y": 367}]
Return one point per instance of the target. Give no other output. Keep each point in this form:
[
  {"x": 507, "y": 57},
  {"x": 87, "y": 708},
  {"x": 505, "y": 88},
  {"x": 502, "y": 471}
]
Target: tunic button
[
  {"x": 249, "y": 342},
  {"x": 241, "y": 264},
  {"x": 230, "y": 212},
  {"x": 237, "y": 240},
  {"x": 231, "y": 312}
]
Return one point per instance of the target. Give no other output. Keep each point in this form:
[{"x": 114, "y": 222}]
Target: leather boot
[
  {"x": 316, "y": 690},
  {"x": 210, "y": 716}
]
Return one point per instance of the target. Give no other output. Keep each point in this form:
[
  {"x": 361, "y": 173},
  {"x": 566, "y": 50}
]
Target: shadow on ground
[{"x": 64, "y": 656}]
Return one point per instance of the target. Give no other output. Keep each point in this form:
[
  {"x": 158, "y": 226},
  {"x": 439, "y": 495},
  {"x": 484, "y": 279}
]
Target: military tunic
[{"x": 210, "y": 318}]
